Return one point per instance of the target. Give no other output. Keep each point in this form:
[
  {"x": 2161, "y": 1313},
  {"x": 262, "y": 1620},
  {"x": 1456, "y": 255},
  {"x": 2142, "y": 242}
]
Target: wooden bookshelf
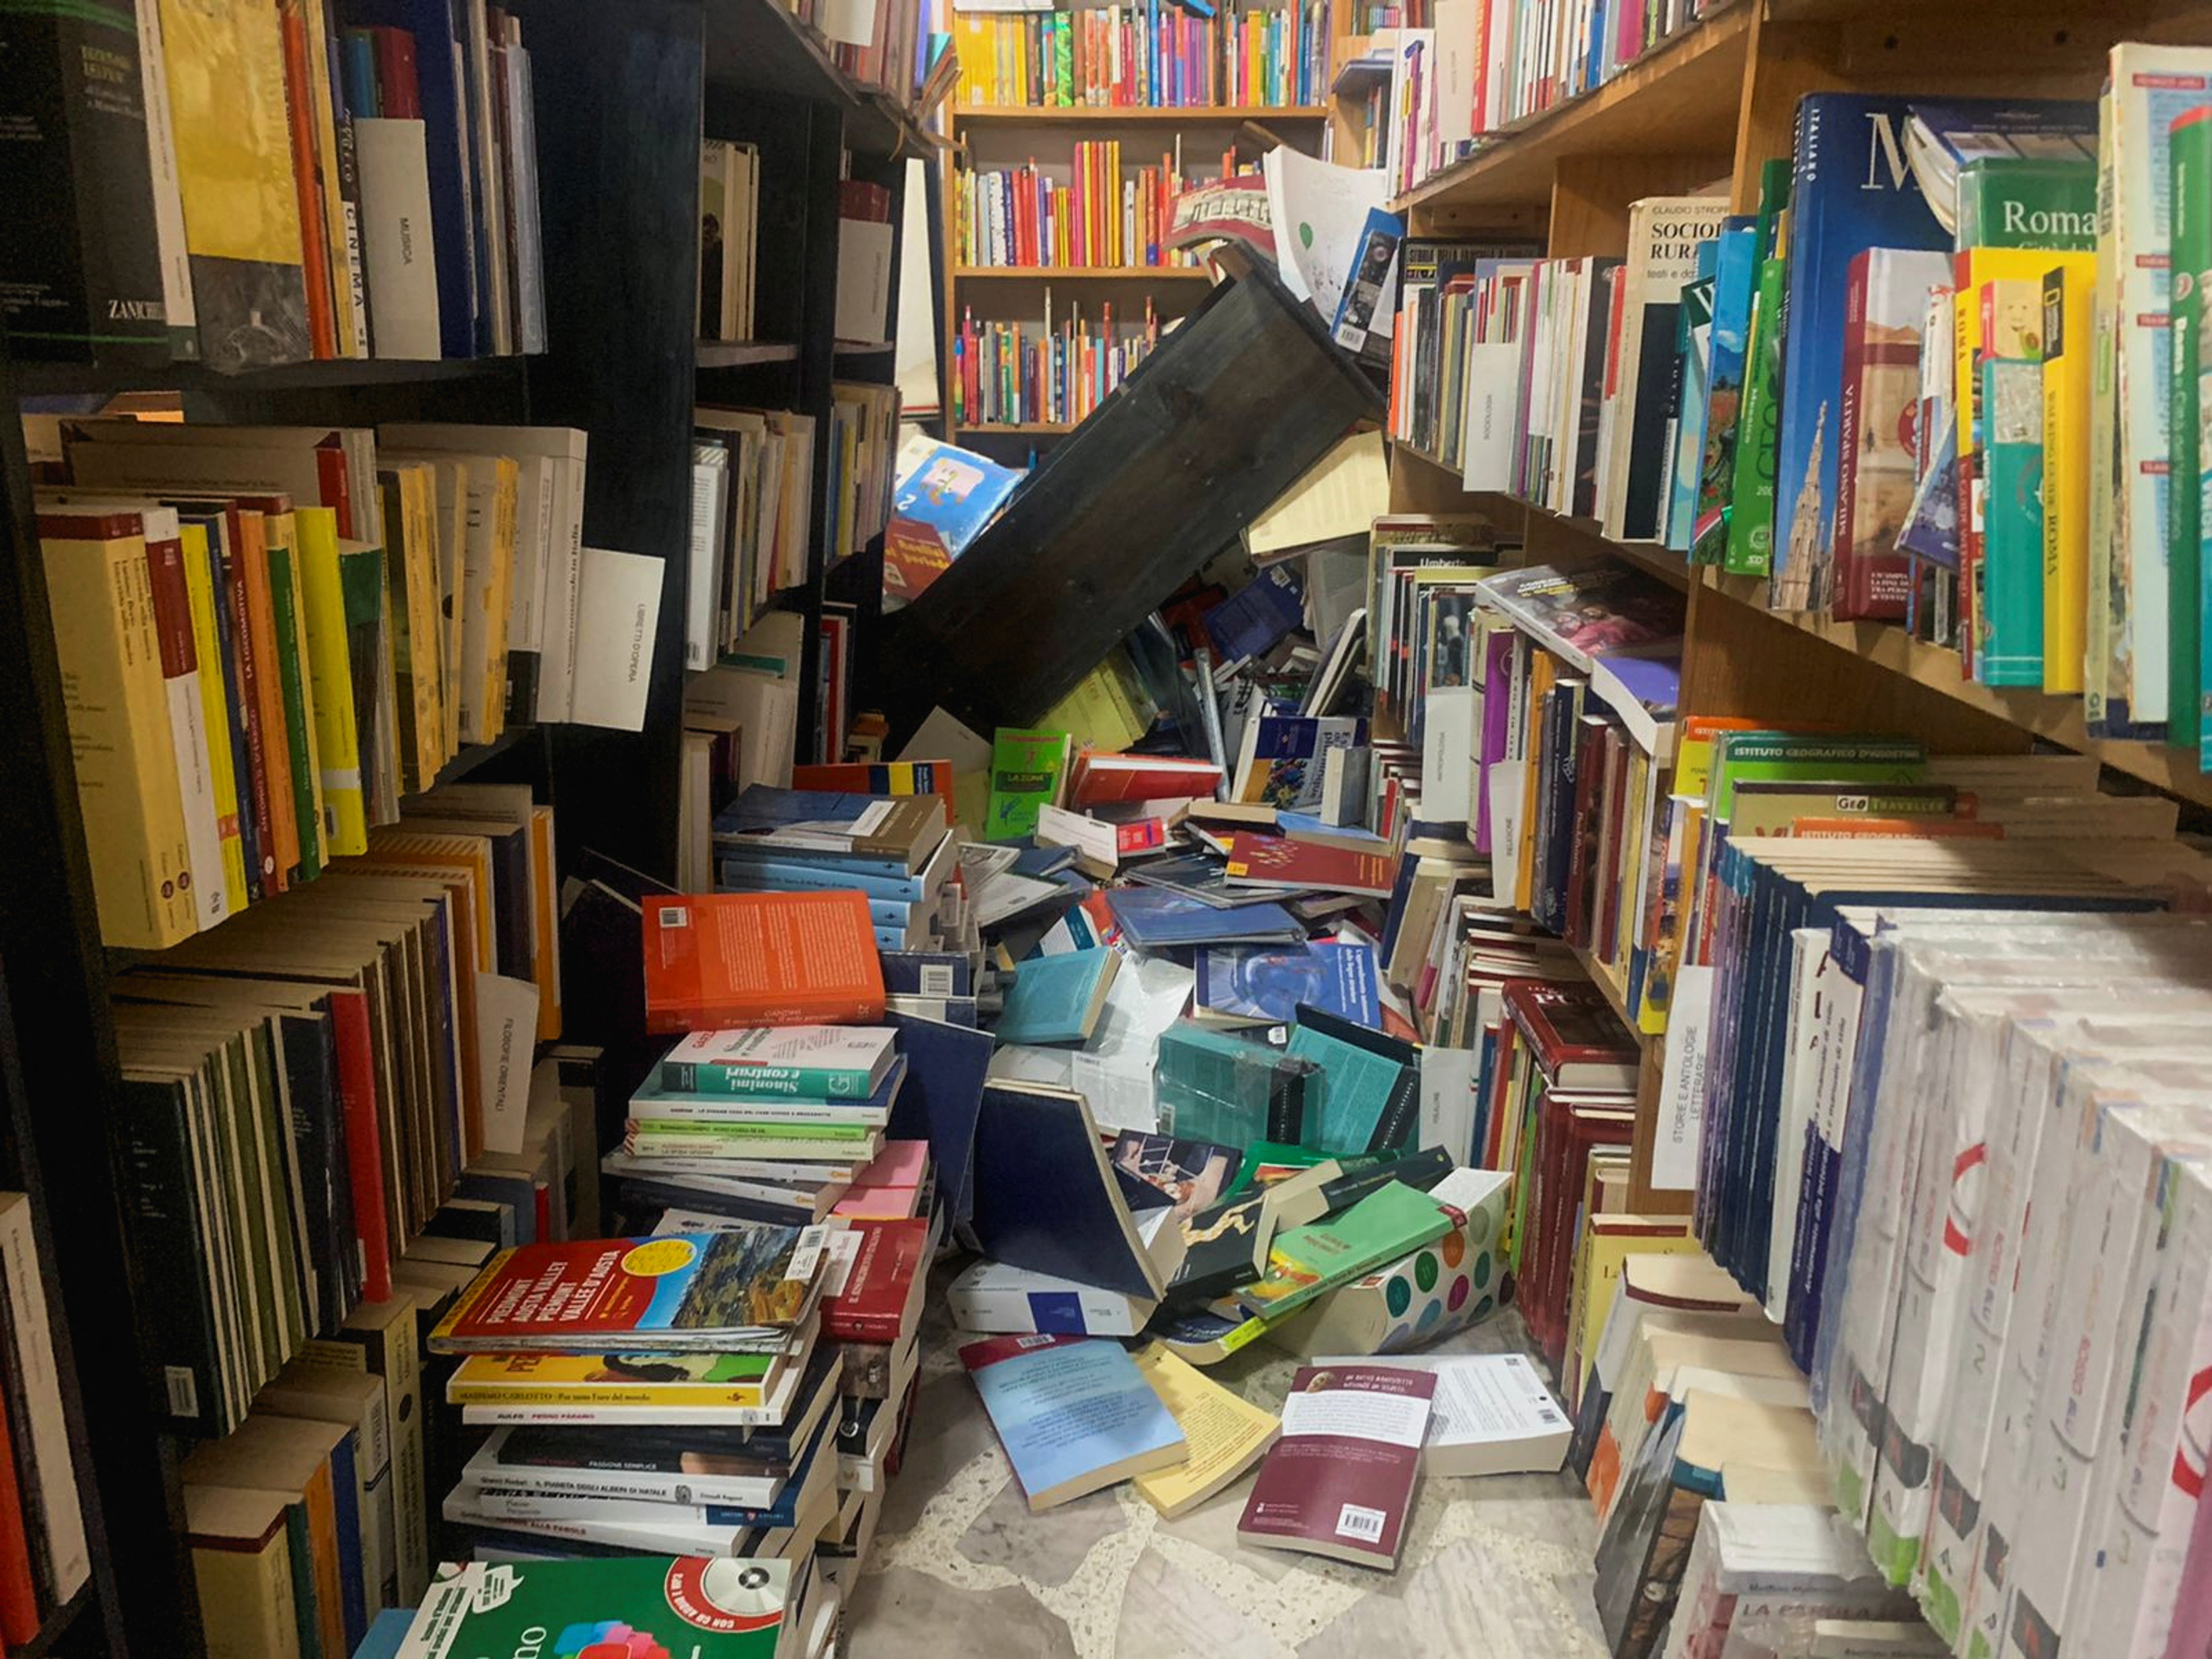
[
  {"x": 1616, "y": 991},
  {"x": 737, "y": 354},
  {"x": 1089, "y": 115}
]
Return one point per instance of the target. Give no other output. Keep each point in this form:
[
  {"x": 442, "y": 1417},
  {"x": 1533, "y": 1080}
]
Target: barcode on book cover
[
  {"x": 937, "y": 979},
  {"x": 674, "y": 915},
  {"x": 184, "y": 1393},
  {"x": 1354, "y": 1521}
]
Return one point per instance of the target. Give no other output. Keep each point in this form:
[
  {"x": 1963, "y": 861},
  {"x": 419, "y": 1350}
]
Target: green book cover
[
  {"x": 1795, "y": 756},
  {"x": 1304, "y": 1261},
  {"x": 689, "y": 1606},
  {"x": 300, "y": 1546},
  {"x": 1025, "y": 773},
  {"x": 1229, "y": 1090},
  {"x": 2009, "y": 607},
  {"x": 2191, "y": 164},
  {"x": 292, "y": 683},
  {"x": 375, "y": 708},
  {"x": 2009, "y": 202},
  {"x": 1750, "y": 508},
  {"x": 830, "y": 1134},
  {"x": 1356, "y": 1087}
]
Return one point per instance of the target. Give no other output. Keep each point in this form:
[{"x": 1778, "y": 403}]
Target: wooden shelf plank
[
  {"x": 732, "y": 354},
  {"x": 1616, "y": 992},
  {"x": 2055, "y": 719},
  {"x": 32, "y": 379},
  {"x": 758, "y": 46},
  {"x": 986, "y": 429},
  {"x": 1653, "y": 560},
  {"x": 1081, "y": 273},
  {"x": 1683, "y": 96},
  {"x": 1187, "y": 115}
]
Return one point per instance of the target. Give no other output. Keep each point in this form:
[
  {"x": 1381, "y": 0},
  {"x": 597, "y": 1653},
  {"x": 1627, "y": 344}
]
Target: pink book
[{"x": 889, "y": 1189}]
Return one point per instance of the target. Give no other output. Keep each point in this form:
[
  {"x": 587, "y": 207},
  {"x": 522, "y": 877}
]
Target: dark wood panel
[
  {"x": 1234, "y": 404},
  {"x": 619, "y": 197}
]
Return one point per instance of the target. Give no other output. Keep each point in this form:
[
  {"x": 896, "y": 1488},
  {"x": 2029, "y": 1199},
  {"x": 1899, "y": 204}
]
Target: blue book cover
[
  {"x": 1266, "y": 987},
  {"x": 1285, "y": 755},
  {"x": 1057, "y": 999},
  {"x": 946, "y": 1064},
  {"x": 1249, "y": 623},
  {"x": 1046, "y": 1199},
  {"x": 1735, "y": 275},
  {"x": 1073, "y": 1413},
  {"x": 1852, "y": 188},
  {"x": 955, "y": 492},
  {"x": 928, "y": 974},
  {"x": 1156, "y": 919},
  {"x": 743, "y": 870},
  {"x": 388, "y": 1635}
]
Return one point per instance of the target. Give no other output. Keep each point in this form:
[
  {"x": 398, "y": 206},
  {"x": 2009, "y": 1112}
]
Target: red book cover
[
  {"x": 1578, "y": 1040},
  {"x": 307, "y": 181},
  {"x": 881, "y": 1300},
  {"x": 1101, "y": 780},
  {"x": 398, "y": 93},
  {"x": 364, "y": 1137},
  {"x": 859, "y": 199},
  {"x": 1583, "y": 820},
  {"x": 1340, "y": 1482},
  {"x": 19, "y": 1592},
  {"x": 1278, "y": 861},
  {"x": 718, "y": 959}
]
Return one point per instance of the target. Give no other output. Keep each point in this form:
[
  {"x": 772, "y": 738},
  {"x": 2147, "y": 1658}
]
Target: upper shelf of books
[
  {"x": 1688, "y": 87},
  {"x": 760, "y": 46}
]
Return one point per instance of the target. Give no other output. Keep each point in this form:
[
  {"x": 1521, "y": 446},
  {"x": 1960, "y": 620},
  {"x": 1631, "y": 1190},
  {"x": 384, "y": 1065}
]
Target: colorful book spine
[
  {"x": 2066, "y": 300},
  {"x": 2190, "y": 208}
]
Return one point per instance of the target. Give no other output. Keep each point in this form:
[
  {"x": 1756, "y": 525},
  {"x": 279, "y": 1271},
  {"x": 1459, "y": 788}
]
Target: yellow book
[
  {"x": 242, "y": 1569},
  {"x": 348, "y": 303},
  {"x": 545, "y": 891},
  {"x": 294, "y": 648},
  {"x": 1607, "y": 1243},
  {"x": 1226, "y": 1434},
  {"x": 2069, "y": 292},
  {"x": 329, "y": 669},
  {"x": 234, "y": 144},
  {"x": 1107, "y": 711},
  {"x": 411, "y": 578},
  {"x": 215, "y": 710},
  {"x": 674, "y": 1380},
  {"x": 493, "y": 482},
  {"x": 102, "y": 600}
]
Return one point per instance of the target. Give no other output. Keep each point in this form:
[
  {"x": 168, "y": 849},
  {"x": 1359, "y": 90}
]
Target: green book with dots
[{"x": 1444, "y": 1286}]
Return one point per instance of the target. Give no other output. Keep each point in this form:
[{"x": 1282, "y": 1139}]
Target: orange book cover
[
  {"x": 307, "y": 179},
  {"x": 269, "y": 694},
  {"x": 721, "y": 959}
]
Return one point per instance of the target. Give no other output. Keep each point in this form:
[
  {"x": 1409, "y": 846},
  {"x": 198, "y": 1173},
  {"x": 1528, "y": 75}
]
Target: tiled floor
[{"x": 961, "y": 1570}]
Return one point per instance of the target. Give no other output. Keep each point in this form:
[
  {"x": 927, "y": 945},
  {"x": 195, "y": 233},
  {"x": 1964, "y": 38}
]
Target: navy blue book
[
  {"x": 927, "y": 973},
  {"x": 1852, "y": 189},
  {"x": 784, "y": 1512},
  {"x": 1155, "y": 918},
  {"x": 945, "y": 1068},
  {"x": 1040, "y": 862},
  {"x": 445, "y": 119},
  {"x": 1046, "y": 1198},
  {"x": 1249, "y": 623}
]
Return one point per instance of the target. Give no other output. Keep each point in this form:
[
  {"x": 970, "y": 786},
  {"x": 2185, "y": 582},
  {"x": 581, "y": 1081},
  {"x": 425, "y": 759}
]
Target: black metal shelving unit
[{"x": 623, "y": 95}]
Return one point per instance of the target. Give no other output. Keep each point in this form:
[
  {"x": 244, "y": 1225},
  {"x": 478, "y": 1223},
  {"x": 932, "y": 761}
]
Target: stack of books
[
  {"x": 279, "y": 631},
  {"x": 392, "y": 150},
  {"x": 897, "y": 853},
  {"x": 664, "y": 1395},
  {"x": 875, "y": 1320}
]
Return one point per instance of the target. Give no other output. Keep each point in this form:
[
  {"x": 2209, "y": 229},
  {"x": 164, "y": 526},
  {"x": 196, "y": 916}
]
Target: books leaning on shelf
[
  {"x": 272, "y": 633},
  {"x": 729, "y": 230},
  {"x": 1056, "y": 376},
  {"x": 1101, "y": 215},
  {"x": 391, "y": 148}
]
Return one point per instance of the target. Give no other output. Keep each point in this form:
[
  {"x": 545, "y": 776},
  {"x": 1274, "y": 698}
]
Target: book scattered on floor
[
  {"x": 1491, "y": 1413},
  {"x": 705, "y": 1609},
  {"x": 1058, "y": 998},
  {"x": 1226, "y": 1434},
  {"x": 991, "y": 1296},
  {"x": 1073, "y": 1413},
  {"x": 1340, "y": 1482}
]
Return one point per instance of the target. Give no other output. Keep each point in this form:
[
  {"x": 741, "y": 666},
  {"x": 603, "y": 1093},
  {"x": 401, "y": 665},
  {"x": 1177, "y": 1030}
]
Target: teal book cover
[
  {"x": 1058, "y": 998},
  {"x": 701, "y": 1608},
  {"x": 1073, "y": 1413},
  {"x": 1357, "y": 1088},
  {"x": 2010, "y": 605}
]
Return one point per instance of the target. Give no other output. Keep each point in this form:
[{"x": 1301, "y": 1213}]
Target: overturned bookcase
[
  {"x": 621, "y": 95},
  {"x": 1236, "y": 402}
]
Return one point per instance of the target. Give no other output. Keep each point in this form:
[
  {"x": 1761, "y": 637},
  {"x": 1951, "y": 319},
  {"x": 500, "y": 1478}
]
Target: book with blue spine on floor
[{"x": 1073, "y": 1413}]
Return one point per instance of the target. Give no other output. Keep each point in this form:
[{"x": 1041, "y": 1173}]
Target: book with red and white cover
[
  {"x": 1278, "y": 861},
  {"x": 1341, "y": 1481},
  {"x": 1578, "y": 1040},
  {"x": 1102, "y": 780},
  {"x": 880, "y": 1300}
]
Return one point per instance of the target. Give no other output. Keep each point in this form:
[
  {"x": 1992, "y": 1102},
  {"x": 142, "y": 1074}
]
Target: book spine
[
  {"x": 188, "y": 732},
  {"x": 739, "y": 1078},
  {"x": 2192, "y": 259},
  {"x": 673, "y": 1416},
  {"x": 640, "y": 1397},
  {"x": 2066, "y": 480},
  {"x": 29, "y": 1359},
  {"x": 307, "y": 181},
  {"x": 168, "y": 201},
  {"x": 19, "y": 1590},
  {"x": 339, "y": 194}
]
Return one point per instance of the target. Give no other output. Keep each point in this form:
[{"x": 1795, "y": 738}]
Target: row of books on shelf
[
  {"x": 1057, "y": 374},
  {"x": 45, "y": 1559},
  {"x": 390, "y": 147},
  {"x": 1857, "y": 392},
  {"x": 729, "y": 238},
  {"x": 309, "y": 1085},
  {"x": 1475, "y": 68},
  {"x": 272, "y": 633},
  {"x": 885, "y": 44},
  {"x": 1024, "y": 218},
  {"x": 1143, "y": 56}
]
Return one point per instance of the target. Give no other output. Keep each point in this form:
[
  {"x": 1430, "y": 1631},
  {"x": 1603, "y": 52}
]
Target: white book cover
[
  {"x": 703, "y": 577},
  {"x": 860, "y": 1048},
  {"x": 618, "y": 601},
  {"x": 1491, "y": 1415},
  {"x": 990, "y": 1297},
  {"x": 397, "y": 247}
]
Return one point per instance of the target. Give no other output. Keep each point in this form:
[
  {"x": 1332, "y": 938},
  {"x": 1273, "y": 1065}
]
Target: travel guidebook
[
  {"x": 700, "y": 1609},
  {"x": 687, "y": 1290}
]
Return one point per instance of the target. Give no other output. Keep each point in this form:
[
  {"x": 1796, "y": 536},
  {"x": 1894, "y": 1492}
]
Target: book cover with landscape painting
[{"x": 687, "y": 1291}]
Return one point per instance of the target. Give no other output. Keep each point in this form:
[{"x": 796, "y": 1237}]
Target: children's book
[{"x": 702, "y": 1608}]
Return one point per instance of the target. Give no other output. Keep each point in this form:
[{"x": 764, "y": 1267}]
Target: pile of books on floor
[
  {"x": 279, "y": 631},
  {"x": 709, "y": 1429},
  {"x": 392, "y": 150}
]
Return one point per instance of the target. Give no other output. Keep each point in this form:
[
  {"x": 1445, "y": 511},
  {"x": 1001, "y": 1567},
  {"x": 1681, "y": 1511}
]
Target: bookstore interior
[{"x": 1397, "y": 814}]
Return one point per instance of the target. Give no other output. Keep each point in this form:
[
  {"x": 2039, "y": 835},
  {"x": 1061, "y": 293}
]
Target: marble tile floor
[{"x": 1497, "y": 1566}]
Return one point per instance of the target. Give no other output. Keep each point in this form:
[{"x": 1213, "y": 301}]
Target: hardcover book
[
  {"x": 726, "y": 959},
  {"x": 1578, "y": 1040},
  {"x": 1073, "y": 1413},
  {"x": 1340, "y": 1482},
  {"x": 1853, "y": 189},
  {"x": 689, "y": 1291}
]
